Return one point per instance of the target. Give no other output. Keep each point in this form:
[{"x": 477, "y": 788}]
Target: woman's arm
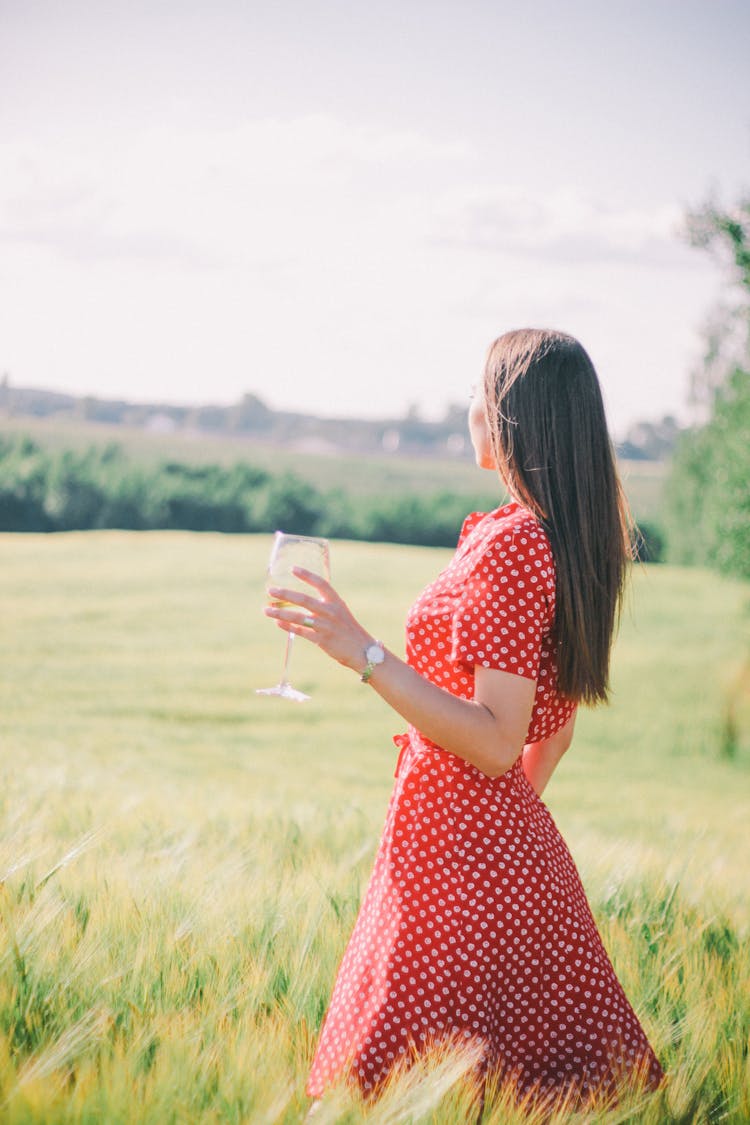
[
  {"x": 540, "y": 759},
  {"x": 487, "y": 731}
]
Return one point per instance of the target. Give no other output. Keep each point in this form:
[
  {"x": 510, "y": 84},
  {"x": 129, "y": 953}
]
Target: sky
[{"x": 338, "y": 205}]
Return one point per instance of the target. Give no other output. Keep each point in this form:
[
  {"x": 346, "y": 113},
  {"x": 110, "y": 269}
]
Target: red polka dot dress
[{"x": 475, "y": 925}]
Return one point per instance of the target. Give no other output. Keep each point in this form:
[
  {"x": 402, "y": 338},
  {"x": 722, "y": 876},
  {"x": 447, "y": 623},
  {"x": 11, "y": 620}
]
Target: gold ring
[{"x": 309, "y": 622}]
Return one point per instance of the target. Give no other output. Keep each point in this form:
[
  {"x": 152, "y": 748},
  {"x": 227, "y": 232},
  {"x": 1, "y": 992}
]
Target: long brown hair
[{"x": 550, "y": 440}]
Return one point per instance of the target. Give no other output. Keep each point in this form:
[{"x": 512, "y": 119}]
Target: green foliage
[
  {"x": 433, "y": 521},
  {"x": 708, "y": 493},
  {"x": 93, "y": 488},
  {"x": 650, "y": 542},
  {"x": 22, "y": 486},
  {"x": 728, "y": 231},
  {"x": 292, "y": 504}
]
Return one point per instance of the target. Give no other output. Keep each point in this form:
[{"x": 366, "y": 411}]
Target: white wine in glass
[{"x": 288, "y": 551}]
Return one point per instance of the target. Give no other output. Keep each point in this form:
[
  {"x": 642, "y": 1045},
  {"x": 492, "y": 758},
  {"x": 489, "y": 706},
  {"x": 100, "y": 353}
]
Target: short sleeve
[{"x": 506, "y": 606}]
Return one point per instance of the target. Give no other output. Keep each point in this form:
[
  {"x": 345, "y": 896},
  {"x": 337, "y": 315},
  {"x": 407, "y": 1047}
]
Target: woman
[{"x": 475, "y": 927}]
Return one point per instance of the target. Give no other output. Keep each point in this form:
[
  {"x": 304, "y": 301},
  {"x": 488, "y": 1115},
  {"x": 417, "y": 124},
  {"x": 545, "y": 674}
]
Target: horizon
[{"x": 157, "y": 404}]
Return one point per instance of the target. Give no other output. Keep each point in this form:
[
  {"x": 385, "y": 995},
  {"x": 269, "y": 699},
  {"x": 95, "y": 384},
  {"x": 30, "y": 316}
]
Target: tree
[
  {"x": 726, "y": 233},
  {"x": 708, "y": 495},
  {"x": 250, "y": 414}
]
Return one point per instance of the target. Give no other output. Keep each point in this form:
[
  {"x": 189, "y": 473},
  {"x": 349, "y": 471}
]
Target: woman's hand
[{"x": 325, "y": 620}]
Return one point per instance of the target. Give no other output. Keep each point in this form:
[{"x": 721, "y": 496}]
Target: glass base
[{"x": 286, "y": 691}]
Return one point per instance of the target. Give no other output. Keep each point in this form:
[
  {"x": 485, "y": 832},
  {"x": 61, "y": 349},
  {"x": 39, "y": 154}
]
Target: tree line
[
  {"x": 252, "y": 418},
  {"x": 45, "y": 490}
]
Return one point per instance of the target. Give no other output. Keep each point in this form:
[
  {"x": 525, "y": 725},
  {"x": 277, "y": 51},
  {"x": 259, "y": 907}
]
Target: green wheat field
[{"x": 181, "y": 861}]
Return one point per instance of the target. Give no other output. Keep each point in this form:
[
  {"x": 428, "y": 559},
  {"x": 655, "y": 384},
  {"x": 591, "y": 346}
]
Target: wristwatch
[{"x": 374, "y": 655}]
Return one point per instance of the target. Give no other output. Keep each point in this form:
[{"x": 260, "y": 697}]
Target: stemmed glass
[{"x": 288, "y": 551}]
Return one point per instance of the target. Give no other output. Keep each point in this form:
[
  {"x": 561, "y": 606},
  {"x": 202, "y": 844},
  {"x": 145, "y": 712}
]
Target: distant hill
[{"x": 250, "y": 417}]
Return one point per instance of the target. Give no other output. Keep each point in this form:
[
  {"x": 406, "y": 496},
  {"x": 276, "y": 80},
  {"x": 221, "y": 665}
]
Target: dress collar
[{"x": 505, "y": 510}]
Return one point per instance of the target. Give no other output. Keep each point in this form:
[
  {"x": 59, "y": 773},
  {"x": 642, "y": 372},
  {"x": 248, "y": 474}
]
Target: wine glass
[{"x": 288, "y": 551}]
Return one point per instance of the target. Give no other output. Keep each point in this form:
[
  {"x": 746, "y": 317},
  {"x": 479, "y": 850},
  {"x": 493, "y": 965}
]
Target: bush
[
  {"x": 293, "y": 505},
  {"x": 651, "y": 542},
  {"x": 23, "y": 486},
  {"x": 98, "y": 488},
  {"x": 429, "y": 521}
]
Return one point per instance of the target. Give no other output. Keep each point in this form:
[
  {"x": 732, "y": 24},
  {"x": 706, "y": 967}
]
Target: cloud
[
  {"x": 286, "y": 195},
  {"x": 310, "y": 261},
  {"x": 268, "y": 191},
  {"x": 88, "y": 211},
  {"x": 560, "y": 227}
]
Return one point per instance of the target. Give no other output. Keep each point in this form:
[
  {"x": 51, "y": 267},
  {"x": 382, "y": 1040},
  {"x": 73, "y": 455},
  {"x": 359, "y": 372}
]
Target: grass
[{"x": 181, "y": 861}]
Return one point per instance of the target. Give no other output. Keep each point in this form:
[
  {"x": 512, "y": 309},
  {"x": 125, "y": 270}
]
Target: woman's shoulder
[
  {"x": 508, "y": 537},
  {"x": 519, "y": 525},
  {"x": 471, "y": 522},
  {"x": 511, "y": 524},
  {"x": 486, "y": 523}
]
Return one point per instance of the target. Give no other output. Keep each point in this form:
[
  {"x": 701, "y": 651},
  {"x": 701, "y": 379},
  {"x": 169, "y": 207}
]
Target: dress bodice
[{"x": 493, "y": 605}]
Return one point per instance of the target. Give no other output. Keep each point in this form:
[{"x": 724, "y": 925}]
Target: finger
[
  {"x": 297, "y": 630},
  {"x": 315, "y": 580},
  {"x": 290, "y": 617},
  {"x": 296, "y": 597}
]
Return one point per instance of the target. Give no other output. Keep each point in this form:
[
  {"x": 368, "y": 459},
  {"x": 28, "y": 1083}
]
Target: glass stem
[{"x": 287, "y": 654}]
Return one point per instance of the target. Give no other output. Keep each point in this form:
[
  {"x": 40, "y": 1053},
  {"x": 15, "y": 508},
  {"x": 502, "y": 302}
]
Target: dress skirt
[{"x": 475, "y": 927}]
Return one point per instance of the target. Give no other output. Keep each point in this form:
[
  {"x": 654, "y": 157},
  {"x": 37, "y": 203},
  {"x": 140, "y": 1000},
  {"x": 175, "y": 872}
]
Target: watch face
[{"x": 375, "y": 654}]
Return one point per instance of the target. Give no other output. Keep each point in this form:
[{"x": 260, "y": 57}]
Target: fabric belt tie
[{"x": 403, "y": 742}]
